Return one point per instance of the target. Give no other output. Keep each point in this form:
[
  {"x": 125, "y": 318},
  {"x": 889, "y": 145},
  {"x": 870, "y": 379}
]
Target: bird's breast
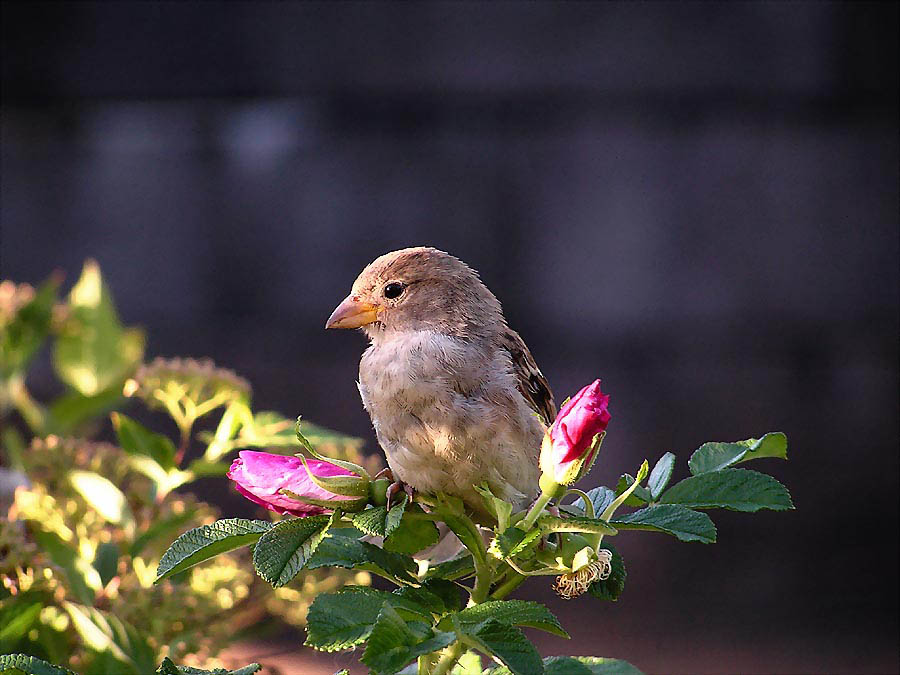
[{"x": 448, "y": 415}]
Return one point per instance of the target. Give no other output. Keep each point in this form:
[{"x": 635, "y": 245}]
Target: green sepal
[
  {"x": 617, "y": 502},
  {"x": 548, "y": 523},
  {"x": 346, "y": 486},
  {"x": 349, "y": 466},
  {"x": 592, "y": 455},
  {"x": 348, "y": 505},
  {"x": 550, "y": 487},
  {"x": 641, "y": 496},
  {"x": 578, "y": 468}
]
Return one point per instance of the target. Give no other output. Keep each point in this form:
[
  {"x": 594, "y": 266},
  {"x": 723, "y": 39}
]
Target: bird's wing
[{"x": 530, "y": 380}]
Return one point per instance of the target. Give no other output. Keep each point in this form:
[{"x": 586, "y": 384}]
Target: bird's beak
[{"x": 352, "y": 313}]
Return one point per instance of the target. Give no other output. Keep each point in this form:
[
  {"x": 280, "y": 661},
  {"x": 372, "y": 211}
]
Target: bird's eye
[{"x": 393, "y": 290}]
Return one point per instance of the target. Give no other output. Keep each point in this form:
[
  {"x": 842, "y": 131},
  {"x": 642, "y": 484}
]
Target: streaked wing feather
[{"x": 530, "y": 380}]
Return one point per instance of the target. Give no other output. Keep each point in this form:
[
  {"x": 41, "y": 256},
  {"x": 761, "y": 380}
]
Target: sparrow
[{"x": 455, "y": 397}]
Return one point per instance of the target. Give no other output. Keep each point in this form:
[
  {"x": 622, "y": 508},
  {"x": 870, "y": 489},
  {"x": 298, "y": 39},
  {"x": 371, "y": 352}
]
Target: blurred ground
[{"x": 696, "y": 202}]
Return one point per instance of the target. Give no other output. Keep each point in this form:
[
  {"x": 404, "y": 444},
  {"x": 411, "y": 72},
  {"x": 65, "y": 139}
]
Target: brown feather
[{"x": 530, "y": 380}]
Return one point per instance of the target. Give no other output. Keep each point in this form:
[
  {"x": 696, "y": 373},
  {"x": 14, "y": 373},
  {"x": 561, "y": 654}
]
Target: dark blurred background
[{"x": 696, "y": 202}]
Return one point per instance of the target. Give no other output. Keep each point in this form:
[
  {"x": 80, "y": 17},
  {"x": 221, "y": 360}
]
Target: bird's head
[{"x": 416, "y": 289}]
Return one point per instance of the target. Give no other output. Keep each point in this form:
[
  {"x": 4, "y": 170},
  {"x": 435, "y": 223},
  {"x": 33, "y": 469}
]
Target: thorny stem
[
  {"x": 535, "y": 511},
  {"x": 449, "y": 659},
  {"x": 588, "y": 504},
  {"x": 508, "y": 586}
]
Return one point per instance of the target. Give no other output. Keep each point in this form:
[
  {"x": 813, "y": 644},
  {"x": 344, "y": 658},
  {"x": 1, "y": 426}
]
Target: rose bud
[
  {"x": 571, "y": 444},
  {"x": 299, "y": 486}
]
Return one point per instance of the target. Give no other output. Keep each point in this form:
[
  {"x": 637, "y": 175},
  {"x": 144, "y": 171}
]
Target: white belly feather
[{"x": 446, "y": 425}]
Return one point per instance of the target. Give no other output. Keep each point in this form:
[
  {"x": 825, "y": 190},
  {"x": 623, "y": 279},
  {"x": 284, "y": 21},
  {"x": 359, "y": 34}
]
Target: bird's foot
[
  {"x": 385, "y": 473},
  {"x": 398, "y": 486}
]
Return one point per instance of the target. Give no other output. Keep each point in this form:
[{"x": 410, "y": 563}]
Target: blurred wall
[{"x": 696, "y": 202}]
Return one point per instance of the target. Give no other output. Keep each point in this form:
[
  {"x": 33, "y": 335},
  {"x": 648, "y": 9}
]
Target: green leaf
[
  {"x": 84, "y": 580},
  {"x": 107, "y": 634},
  {"x": 203, "y": 467},
  {"x": 734, "y": 489},
  {"x": 600, "y": 497},
  {"x": 23, "y": 336},
  {"x": 13, "y": 664},
  {"x": 499, "y": 508},
  {"x": 94, "y": 352},
  {"x": 270, "y": 430},
  {"x": 168, "y": 667},
  {"x": 548, "y": 523},
  {"x": 284, "y": 550},
  {"x": 165, "y": 481},
  {"x": 378, "y": 521},
  {"x": 674, "y": 519},
  {"x": 208, "y": 541},
  {"x": 345, "y": 619},
  {"x": 73, "y": 409},
  {"x": 413, "y": 534},
  {"x": 659, "y": 477},
  {"x": 457, "y": 568},
  {"x": 513, "y": 541},
  {"x": 639, "y": 497},
  {"x": 508, "y": 644},
  {"x": 103, "y": 496},
  {"x": 136, "y": 439},
  {"x": 237, "y": 414},
  {"x": 514, "y": 613},
  {"x": 438, "y": 595},
  {"x": 338, "y": 551},
  {"x": 106, "y": 561},
  {"x": 17, "y": 621},
  {"x": 13, "y": 446},
  {"x": 717, "y": 456},
  {"x": 591, "y": 665},
  {"x": 611, "y": 587},
  {"x": 392, "y": 643}
]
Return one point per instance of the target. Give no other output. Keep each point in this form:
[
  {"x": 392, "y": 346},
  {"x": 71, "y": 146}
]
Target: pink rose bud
[
  {"x": 571, "y": 444},
  {"x": 268, "y": 480}
]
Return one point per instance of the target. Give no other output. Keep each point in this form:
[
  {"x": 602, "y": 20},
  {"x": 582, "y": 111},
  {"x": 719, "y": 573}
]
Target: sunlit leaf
[
  {"x": 208, "y": 541},
  {"x": 287, "y": 547},
  {"x": 94, "y": 352},
  {"x": 103, "y": 496},
  {"x": 107, "y": 634}
]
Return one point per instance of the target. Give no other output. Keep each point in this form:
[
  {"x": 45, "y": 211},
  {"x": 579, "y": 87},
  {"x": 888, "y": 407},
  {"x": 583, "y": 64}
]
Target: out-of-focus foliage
[
  {"x": 74, "y": 555},
  {"x": 85, "y": 522}
]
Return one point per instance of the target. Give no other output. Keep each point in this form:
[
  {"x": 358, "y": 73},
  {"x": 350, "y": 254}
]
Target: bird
[{"x": 455, "y": 397}]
